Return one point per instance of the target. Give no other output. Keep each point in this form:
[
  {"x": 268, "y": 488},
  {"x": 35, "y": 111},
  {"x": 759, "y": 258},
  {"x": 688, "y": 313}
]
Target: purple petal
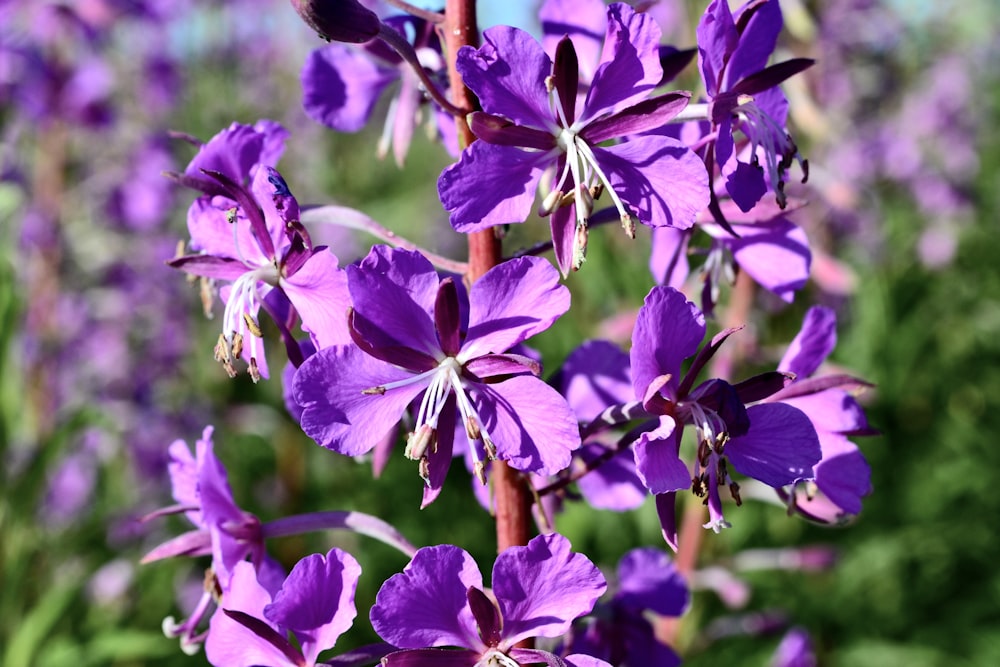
[
  {"x": 614, "y": 485},
  {"x": 813, "y": 344},
  {"x": 562, "y": 224},
  {"x": 630, "y": 63},
  {"x": 780, "y": 448},
  {"x": 230, "y": 642},
  {"x": 335, "y": 412},
  {"x": 491, "y": 185},
  {"x": 426, "y": 605},
  {"x": 584, "y": 22},
  {"x": 666, "y": 511},
  {"x": 579, "y": 660},
  {"x": 643, "y": 116},
  {"x": 210, "y": 266},
  {"x": 232, "y": 152},
  {"x": 395, "y": 291},
  {"x": 657, "y": 459},
  {"x": 776, "y": 255},
  {"x": 212, "y": 233},
  {"x": 833, "y": 411},
  {"x": 319, "y": 293},
  {"x": 843, "y": 475},
  {"x": 530, "y": 423},
  {"x": 717, "y": 39},
  {"x": 649, "y": 580},
  {"x": 661, "y": 180},
  {"x": 508, "y": 74},
  {"x": 795, "y": 650},
  {"x": 439, "y": 458},
  {"x": 512, "y": 302},
  {"x": 432, "y": 657},
  {"x": 595, "y": 376},
  {"x": 757, "y": 40},
  {"x": 668, "y": 261},
  {"x": 543, "y": 586},
  {"x": 668, "y": 330},
  {"x": 340, "y": 86},
  {"x": 316, "y": 602}
]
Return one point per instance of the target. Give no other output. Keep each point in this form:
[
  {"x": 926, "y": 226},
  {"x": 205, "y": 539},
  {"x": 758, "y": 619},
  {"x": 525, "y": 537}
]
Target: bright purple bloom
[
  {"x": 266, "y": 255},
  {"x": 439, "y": 600},
  {"x": 619, "y": 631},
  {"x": 341, "y": 85},
  {"x": 733, "y": 51},
  {"x": 222, "y": 529},
  {"x": 420, "y": 341},
  {"x": 315, "y": 604},
  {"x": 842, "y": 476},
  {"x": 795, "y": 650},
  {"x": 775, "y": 446},
  {"x": 532, "y": 125}
]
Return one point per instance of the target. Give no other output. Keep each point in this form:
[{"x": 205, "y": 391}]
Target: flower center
[
  {"x": 494, "y": 658},
  {"x": 778, "y": 148}
]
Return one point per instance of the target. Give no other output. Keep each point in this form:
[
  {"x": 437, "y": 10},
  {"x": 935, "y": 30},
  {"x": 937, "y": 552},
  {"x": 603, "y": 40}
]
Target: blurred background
[{"x": 106, "y": 357}]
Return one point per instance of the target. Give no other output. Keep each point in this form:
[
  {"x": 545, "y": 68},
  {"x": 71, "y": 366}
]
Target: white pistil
[{"x": 494, "y": 658}]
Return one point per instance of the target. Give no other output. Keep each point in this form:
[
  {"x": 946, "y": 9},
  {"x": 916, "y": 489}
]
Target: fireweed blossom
[
  {"x": 842, "y": 477},
  {"x": 770, "y": 442},
  {"x": 341, "y": 85},
  {"x": 532, "y": 125},
  {"x": 439, "y": 600},
  {"x": 233, "y": 537},
  {"x": 222, "y": 530},
  {"x": 743, "y": 95},
  {"x": 618, "y": 630},
  {"x": 260, "y": 247},
  {"x": 315, "y": 604},
  {"x": 419, "y": 340}
]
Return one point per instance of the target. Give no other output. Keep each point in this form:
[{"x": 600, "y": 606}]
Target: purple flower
[
  {"x": 733, "y": 51},
  {"x": 341, "y": 85},
  {"x": 842, "y": 477},
  {"x": 315, "y": 604},
  {"x": 420, "y": 341},
  {"x": 262, "y": 250},
  {"x": 795, "y": 650},
  {"x": 532, "y": 125},
  {"x": 619, "y": 631},
  {"x": 439, "y": 600},
  {"x": 775, "y": 446},
  {"x": 222, "y": 529}
]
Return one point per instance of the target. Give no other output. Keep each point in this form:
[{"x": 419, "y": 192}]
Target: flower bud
[{"x": 339, "y": 20}]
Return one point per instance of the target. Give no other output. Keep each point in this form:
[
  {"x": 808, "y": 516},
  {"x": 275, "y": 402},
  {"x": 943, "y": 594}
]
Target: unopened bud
[{"x": 339, "y": 20}]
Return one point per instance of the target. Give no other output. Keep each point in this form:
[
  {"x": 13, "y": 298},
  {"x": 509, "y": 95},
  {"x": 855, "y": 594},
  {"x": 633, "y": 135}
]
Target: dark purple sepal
[
  {"x": 191, "y": 543},
  {"x": 431, "y": 657},
  {"x": 653, "y": 401},
  {"x": 251, "y": 209},
  {"x": 530, "y": 656},
  {"x": 673, "y": 61},
  {"x": 704, "y": 356},
  {"x": 720, "y": 397},
  {"x": 339, "y": 20},
  {"x": 268, "y": 634},
  {"x": 365, "y": 655},
  {"x": 566, "y": 73},
  {"x": 502, "y": 132},
  {"x": 761, "y": 386},
  {"x": 447, "y": 317},
  {"x": 203, "y": 185},
  {"x": 209, "y": 266},
  {"x": 642, "y": 117},
  {"x": 279, "y": 309},
  {"x": 771, "y": 76},
  {"x": 487, "y": 616},
  {"x": 746, "y": 13},
  {"x": 492, "y": 365},
  {"x": 811, "y": 386},
  {"x": 398, "y": 355},
  {"x": 666, "y": 510},
  {"x": 296, "y": 256}
]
